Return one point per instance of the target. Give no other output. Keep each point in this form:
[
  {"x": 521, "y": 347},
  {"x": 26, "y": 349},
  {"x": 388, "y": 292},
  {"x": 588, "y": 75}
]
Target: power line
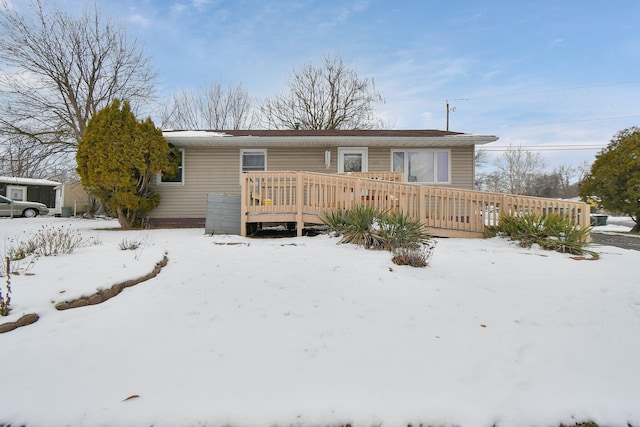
[
  {"x": 594, "y": 119},
  {"x": 581, "y": 147},
  {"x": 469, "y": 98}
]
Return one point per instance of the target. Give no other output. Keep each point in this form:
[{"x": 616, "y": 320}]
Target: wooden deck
[{"x": 303, "y": 197}]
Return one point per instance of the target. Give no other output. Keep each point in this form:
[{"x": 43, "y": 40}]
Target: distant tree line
[{"x": 524, "y": 172}]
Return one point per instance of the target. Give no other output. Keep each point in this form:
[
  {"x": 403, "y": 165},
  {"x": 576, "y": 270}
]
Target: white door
[{"x": 352, "y": 159}]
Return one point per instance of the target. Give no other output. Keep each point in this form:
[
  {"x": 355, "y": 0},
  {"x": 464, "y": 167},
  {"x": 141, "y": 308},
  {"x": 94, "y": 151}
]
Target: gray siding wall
[{"x": 217, "y": 170}]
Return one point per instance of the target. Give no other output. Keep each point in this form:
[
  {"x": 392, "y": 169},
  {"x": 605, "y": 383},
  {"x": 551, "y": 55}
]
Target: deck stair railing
[{"x": 304, "y": 197}]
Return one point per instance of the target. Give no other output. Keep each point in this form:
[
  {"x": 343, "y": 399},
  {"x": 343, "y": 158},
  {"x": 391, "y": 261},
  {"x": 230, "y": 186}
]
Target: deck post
[
  {"x": 357, "y": 193},
  {"x": 503, "y": 208},
  {"x": 299, "y": 203},
  {"x": 422, "y": 205},
  {"x": 244, "y": 189}
]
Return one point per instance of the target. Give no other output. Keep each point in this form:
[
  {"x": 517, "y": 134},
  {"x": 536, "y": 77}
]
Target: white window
[
  {"x": 17, "y": 192},
  {"x": 178, "y": 177},
  {"x": 352, "y": 160},
  {"x": 424, "y": 166},
  {"x": 253, "y": 160}
]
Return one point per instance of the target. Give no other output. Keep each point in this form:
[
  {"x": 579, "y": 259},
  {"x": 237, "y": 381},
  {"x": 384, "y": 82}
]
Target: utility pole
[{"x": 448, "y": 109}]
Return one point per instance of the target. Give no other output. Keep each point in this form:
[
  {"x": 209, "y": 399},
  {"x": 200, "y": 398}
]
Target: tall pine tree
[{"x": 118, "y": 156}]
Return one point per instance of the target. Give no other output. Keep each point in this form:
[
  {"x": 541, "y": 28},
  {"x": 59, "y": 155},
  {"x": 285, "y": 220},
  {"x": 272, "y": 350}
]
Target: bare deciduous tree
[
  {"x": 331, "y": 96},
  {"x": 209, "y": 107},
  {"x": 566, "y": 184},
  {"x": 518, "y": 169},
  {"x": 59, "y": 69}
]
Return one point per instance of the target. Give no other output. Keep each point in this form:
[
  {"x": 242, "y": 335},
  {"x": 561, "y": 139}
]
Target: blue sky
[{"x": 535, "y": 73}]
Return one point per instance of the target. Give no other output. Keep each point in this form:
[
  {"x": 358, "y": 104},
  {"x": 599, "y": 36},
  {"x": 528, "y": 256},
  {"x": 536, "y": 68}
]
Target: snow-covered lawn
[{"x": 301, "y": 331}]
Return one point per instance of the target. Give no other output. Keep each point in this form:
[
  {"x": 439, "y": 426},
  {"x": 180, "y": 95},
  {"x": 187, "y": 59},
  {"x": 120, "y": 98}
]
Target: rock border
[
  {"x": 97, "y": 298},
  {"x": 25, "y": 320},
  {"x": 106, "y": 294}
]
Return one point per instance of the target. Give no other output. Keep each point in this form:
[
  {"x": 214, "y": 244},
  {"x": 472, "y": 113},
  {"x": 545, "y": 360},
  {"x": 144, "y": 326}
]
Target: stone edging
[
  {"x": 97, "y": 298},
  {"x": 106, "y": 294},
  {"x": 25, "y": 320}
]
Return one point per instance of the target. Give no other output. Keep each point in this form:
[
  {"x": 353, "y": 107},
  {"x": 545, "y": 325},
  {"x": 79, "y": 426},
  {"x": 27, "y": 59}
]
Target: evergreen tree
[
  {"x": 615, "y": 176},
  {"x": 118, "y": 156}
]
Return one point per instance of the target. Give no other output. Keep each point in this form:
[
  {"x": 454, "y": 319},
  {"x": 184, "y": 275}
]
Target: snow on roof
[
  {"x": 28, "y": 181},
  {"x": 194, "y": 133}
]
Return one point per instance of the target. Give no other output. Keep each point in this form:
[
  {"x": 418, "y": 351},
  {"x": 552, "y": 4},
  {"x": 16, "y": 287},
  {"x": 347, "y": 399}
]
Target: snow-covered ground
[
  {"x": 616, "y": 224},
  {"x": 301, "y": 331}
]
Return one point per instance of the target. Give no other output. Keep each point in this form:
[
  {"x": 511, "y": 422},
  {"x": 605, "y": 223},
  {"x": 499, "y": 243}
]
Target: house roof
[
  {"x": 324, "y": 138},
  {"x": 28, "y": 181}
]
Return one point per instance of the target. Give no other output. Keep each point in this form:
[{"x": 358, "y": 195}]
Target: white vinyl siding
[{"x": 217, "y": 170}]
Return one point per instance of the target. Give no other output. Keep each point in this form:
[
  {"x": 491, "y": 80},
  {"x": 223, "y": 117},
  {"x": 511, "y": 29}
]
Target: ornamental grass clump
[
  {"x": 414, "y": 255},
  {"x": 551, "y": 232},
  {"x": 129, "y": 245},
  {"x": 48, "y": 241}
]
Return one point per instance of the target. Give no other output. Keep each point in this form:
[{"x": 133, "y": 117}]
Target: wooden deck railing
[{"x": 303, "y": 198}]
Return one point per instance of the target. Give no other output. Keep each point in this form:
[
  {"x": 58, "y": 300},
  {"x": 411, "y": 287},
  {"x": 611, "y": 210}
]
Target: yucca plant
[
  {"x": 552, "y": 232},
  {"x": 401, "y": 230},
  {"x": 335, "y": 220},
  {"x": 362, "y": 227},
  {"x": 564, "y": 236},
  {"x": 358, "y": 225},
  {"x": 405, "y": 237}
]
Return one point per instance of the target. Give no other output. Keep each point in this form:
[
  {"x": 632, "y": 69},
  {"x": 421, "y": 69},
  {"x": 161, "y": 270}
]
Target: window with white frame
[
  {"x": 178, "y": 176},
  {"x": 352, "y": 159},
  {"x": 17, "y": 192},
  {"x": 423, "y": 166},
  {"x": 253, "y": 160}
]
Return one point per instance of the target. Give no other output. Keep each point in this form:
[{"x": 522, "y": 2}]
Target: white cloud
[
  {"x": 178, "y": 7},
  {"x": 200, "y": 5},
  {"x": 427, "y": 116},
  {"x": 136, "y": 18}
]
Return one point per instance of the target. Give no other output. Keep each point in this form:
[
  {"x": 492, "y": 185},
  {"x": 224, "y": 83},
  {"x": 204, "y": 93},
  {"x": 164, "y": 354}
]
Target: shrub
[
  {"x": 405, "y": 237},
  {"x": 414, "y": 255},
  {"x": 551, "y": 232},
  {"x": 400, "y": 230},
  {"x": 335, "y": 220},
  {"x": 357, "y": 226},
  {"x": 48, "y": 241}
]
